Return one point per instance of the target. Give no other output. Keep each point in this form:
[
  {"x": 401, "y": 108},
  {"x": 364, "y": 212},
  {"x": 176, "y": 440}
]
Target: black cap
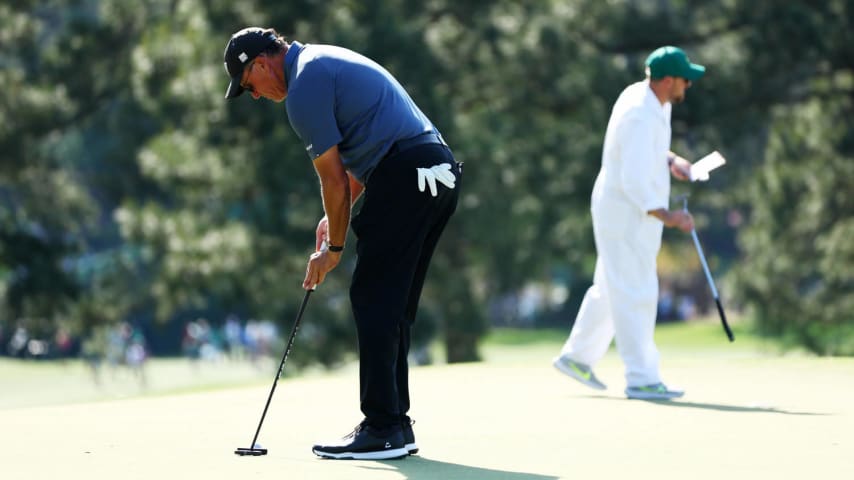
[{"x": 240, "y": 50}]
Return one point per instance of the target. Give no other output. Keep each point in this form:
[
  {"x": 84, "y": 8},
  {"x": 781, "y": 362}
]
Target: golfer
[
  {"x": 364, "y": 135},
  {"x": 630, "y": 209}
]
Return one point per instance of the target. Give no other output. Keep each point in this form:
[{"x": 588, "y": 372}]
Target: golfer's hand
[
  {"x": 680, "y": 219},
  {"x": 681, "y": 168},
  {"x": 429, "y": 176},
  {"x": 321, "y": 234},
  {"x": 319, "y": 264}
]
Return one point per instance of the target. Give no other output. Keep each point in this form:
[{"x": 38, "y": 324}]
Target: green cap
[{"x": 672, "y": 62}]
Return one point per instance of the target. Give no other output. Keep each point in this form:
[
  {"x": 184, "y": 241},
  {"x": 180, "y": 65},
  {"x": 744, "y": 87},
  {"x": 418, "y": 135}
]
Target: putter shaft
[
  {"x": 709, "y": 278},
  {"x": 705, "y": 265},
  {"x": 263, "y": 451}
]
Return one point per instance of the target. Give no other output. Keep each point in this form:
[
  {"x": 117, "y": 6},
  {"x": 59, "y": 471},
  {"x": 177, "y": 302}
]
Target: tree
[
  {"x": 130, "y": 188},
  {"x": 796, "y": 273}
]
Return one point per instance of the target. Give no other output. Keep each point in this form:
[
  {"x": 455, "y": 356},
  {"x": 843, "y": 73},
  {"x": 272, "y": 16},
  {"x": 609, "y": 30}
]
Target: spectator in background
[
  {"x": 17, "y": 346},
  {"x": 233, "y": 332},
  {"x": 63, "y": 343},
  {"x": 666, "y": 305},
  {"x": 136, "y": 354},
  {"x": 195, "y": 336},
  {"x": 687, "y": 307}
]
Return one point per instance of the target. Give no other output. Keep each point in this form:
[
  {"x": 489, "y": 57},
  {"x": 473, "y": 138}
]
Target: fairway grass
[
  {"x": 28, "y": 383},
  {"x": 749, "y": 413}
]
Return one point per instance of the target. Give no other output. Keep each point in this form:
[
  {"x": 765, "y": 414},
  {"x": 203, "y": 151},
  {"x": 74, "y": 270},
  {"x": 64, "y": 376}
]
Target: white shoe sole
[
  {"x": 389, "y": 454},
  {"x": 572, "y": 373},
  {"x": 654, "y": 396}
]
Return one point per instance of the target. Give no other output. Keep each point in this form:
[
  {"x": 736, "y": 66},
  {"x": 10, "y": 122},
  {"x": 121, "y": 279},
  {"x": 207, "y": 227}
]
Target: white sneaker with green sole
[{"x": 657, "y": 391}]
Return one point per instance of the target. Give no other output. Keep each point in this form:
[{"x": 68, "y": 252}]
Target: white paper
[{"x": 701, "y": 168}]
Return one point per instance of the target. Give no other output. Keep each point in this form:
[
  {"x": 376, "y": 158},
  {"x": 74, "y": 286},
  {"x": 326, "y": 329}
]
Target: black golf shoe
[
  {"x": 409, "y": 437},
  {"x": 365, "y": 442}
]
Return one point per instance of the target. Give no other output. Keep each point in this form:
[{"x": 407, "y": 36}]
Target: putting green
[{"x": 746, "y": 414}]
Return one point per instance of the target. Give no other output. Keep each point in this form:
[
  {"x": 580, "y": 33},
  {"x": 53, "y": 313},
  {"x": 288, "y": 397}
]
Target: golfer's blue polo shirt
[{"x": 338, "y": 97}]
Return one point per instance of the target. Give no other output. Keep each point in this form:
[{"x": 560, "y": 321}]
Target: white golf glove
[{"x": 441, "y": 172}]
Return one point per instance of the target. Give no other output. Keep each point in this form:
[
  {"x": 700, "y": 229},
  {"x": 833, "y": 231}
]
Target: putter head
[{"x": 253, "y": 452}]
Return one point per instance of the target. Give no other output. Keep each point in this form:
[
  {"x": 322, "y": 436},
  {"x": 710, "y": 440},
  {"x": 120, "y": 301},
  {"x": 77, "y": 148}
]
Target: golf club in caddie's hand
[
  {"x": 256, "y": 450},
  {"x": 709, "y": 278}
]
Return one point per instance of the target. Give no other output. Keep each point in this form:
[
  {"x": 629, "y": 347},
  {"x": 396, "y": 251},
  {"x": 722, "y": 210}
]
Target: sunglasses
[{"x": 243, "y": 83}]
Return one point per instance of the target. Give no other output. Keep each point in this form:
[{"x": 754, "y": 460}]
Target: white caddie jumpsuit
[{"x": 634, "y": 179}]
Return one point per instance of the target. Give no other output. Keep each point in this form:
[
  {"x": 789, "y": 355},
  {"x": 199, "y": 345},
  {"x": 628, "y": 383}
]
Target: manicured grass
[
  {"x": 747, "y": 414},
  {"x": 33, "y": 383},
  {"x": 30, "y": 383},
  {"x": 699, "y": 333}
]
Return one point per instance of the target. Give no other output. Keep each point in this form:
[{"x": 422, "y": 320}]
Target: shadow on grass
[
  {"x": 728, "y": 408},
  {"x": 417, "y": 467},
  {"x": 713, "y": 406}
]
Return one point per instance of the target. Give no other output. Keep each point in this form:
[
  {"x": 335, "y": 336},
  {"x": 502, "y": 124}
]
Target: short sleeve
[{"x": 311, "y": 109}]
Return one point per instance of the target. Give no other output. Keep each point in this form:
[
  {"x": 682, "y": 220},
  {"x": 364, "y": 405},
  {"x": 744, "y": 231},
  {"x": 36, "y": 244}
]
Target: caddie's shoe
[
  {"x": 365, "y": 442},
  {"x": 578, "y": 371},
  {"x": 657, "y": 391},
  {"x": 409, "y": 436}
]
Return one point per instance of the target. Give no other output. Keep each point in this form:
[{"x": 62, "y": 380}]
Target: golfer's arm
[
  {"x": 335, "y": 190},
  {"x": 356, "y": 189}
]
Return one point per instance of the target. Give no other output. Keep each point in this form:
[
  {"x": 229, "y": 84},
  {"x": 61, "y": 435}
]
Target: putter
[
  {"x": 255, "y": 450},
  {"x": 709, "y": 278}
]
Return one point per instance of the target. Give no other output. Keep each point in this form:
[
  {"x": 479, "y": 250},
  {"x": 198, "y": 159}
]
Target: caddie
[{"x": 629, "y": 206}]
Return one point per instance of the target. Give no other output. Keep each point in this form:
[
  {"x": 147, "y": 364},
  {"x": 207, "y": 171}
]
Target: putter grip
[{"x": 723, "y": 320}]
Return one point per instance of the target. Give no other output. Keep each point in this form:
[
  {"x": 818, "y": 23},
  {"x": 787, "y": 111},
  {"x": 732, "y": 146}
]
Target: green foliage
[
  {"x": 798, "y": 262},
  {"x": 798, "y": 273},
  {"x": 129, "y": 188}
]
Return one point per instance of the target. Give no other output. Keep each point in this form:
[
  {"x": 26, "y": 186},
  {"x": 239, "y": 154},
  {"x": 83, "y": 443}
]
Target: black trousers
[{"x": 397, "y": 229}]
